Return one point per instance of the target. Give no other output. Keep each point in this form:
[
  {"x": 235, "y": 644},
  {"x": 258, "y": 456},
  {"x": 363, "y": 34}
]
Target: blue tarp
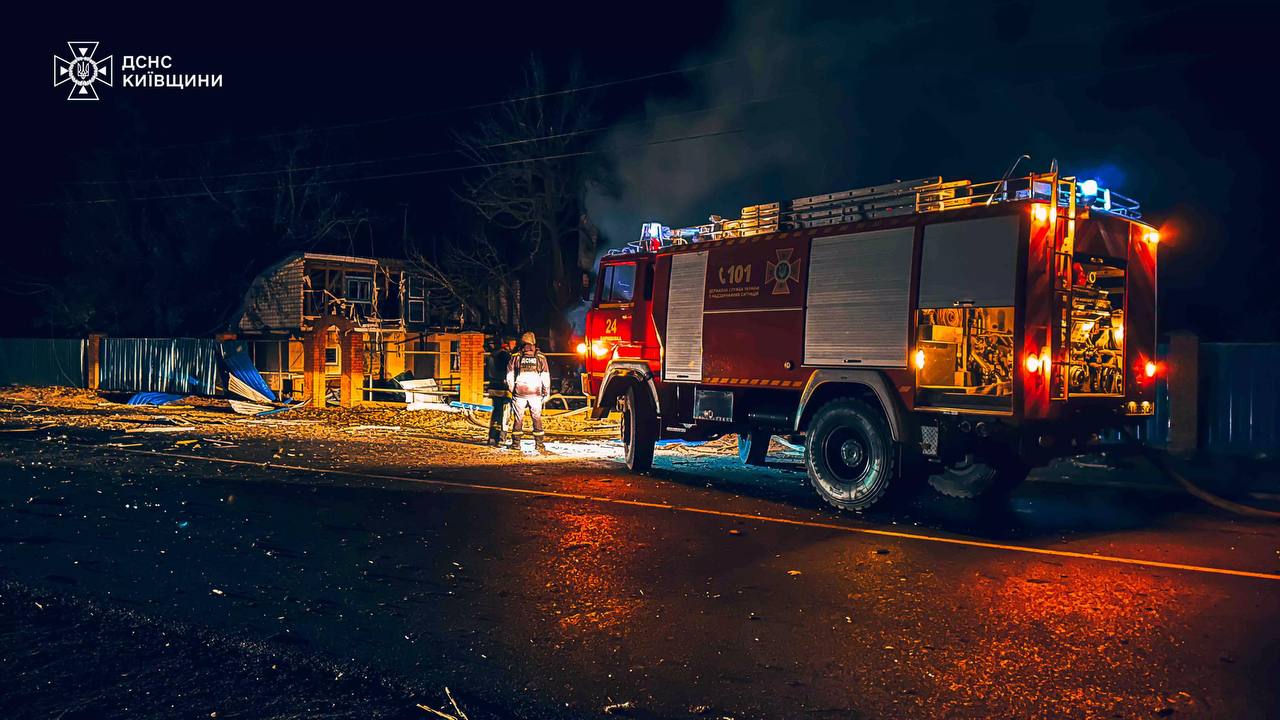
[
  {"x": 239, "y": 365},
  {"x": 154, "y": 398}
]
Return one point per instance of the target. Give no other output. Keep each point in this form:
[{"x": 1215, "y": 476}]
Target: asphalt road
[{"x": 167, "y": 581}]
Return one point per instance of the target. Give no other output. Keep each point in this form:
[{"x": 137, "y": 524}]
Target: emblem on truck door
[{"x": 783, "y": 272}]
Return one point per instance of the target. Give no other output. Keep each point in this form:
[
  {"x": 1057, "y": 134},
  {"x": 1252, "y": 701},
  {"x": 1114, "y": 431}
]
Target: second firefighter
[{"x": 529, "y": 379}]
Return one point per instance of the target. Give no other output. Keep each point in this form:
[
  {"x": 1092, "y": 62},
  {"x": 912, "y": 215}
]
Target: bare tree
[
  {"x": 172, "y": 256},
  {"x": 528, "y": 193},
  {"x": 473, "y": 276}
]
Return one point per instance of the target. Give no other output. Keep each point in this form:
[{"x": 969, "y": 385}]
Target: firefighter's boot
[
  {"x": 515, "y": 441},
  {"x": 539, "y": 442}
]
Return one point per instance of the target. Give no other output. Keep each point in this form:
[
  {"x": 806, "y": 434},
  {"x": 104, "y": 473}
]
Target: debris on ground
[{"x": 457, "y": 713}]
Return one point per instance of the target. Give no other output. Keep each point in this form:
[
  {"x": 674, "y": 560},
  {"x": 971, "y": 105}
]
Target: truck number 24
[
  {"x": 734, "y": 274},
  {"x": 611, "y": 326}
]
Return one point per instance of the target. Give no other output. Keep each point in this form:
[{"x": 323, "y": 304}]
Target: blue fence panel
[
  {"x": 42, "y": 361},
  {"x": 1240, "y": 397},
  {"x": 174, "y": 365}
]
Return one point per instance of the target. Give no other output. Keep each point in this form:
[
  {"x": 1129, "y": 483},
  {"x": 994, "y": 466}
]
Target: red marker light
[{"x": 1150, "y": 369}]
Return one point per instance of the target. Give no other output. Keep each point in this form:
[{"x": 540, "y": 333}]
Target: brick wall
[{"x": 471, "y": 363}]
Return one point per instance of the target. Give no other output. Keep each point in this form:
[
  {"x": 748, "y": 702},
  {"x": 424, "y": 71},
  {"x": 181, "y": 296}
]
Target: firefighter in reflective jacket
[{"x": 529, "y": 379}]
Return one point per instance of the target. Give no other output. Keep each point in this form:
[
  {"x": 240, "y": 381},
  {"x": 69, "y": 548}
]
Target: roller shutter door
[
  {"x": 969, "y": 262},
  {"x": 857, "y": 302},
  {"x": 683, "y": 353}
]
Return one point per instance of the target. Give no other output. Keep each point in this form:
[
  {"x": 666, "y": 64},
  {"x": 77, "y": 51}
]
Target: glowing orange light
[
  {"x": 1033, "y": 363},
  {"x": 599, "y": 349},
  {"x": 1150, "y": 369},
  {"x": 1117, "y": 332},
  {"x": 582, "y": 348},
  {"x": 1151, "y": 236},
  {"x": 919, "y": 359},
  {"x": 1041, "y": 212}
]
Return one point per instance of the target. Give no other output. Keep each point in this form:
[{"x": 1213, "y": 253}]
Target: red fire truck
[{"x": 955, "y": 331}]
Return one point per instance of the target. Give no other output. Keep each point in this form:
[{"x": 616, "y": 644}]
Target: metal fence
[
  {"x": 42, "y": 361},
  {"x": 1240, "y": 397},
  {"x": 175, "y": 365}
]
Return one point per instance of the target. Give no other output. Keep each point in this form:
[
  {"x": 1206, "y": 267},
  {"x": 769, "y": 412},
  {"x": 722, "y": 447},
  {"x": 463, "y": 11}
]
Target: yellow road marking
[{"x": 727, "y": 514}]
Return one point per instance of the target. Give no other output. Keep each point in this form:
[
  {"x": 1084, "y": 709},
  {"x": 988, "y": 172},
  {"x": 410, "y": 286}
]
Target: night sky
[{"x": 1161, "y": 101}]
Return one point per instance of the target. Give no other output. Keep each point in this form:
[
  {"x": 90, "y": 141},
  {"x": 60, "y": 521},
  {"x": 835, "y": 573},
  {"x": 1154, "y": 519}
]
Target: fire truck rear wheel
[
  {"x": 639, "y": 429},
  {"x": 970, "y": 478},
  {"x": 849, "y": 454}
]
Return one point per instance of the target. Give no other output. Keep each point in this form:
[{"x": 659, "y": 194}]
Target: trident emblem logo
[{"x": 82, "y": 71}]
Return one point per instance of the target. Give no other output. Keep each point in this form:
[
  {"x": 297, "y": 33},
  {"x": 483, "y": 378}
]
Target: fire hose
[
  {"x": 1194, "y": 490},
  {"x": 609, "y": 430}
]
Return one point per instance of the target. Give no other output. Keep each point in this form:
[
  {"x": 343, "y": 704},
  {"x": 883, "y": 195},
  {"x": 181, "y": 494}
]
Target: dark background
[{"x": 1166, "y": 102}]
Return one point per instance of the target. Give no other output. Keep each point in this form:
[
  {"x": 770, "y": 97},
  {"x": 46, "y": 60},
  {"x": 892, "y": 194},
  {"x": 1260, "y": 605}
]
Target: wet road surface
[{"x": 165, "y": 581}]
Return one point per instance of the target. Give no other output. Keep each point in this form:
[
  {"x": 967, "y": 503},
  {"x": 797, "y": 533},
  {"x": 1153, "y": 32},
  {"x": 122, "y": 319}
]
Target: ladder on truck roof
[{"x": 904, "y": 197}]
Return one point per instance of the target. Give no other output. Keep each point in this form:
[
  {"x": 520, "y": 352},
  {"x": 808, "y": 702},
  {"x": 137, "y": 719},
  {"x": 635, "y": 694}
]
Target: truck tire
[
  {"x": 639, "y": 429},
  {"x": 971, "y": 478},
  {"x": 753, "y": 446},
  {"x": 849, "y": 454}
]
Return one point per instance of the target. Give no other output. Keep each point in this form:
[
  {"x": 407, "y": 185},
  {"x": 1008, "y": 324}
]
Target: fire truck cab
[{"x": 955, "y": 331}]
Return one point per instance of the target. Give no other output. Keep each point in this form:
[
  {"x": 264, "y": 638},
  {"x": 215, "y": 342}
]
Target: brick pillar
[
  {"x": 313, "y": 365},
  {"x": 93, "y": 360},
  {"x": 471, "y": 367},
  {"x": 1184, "y": 392},
  {"x": 352, "y": 382}
]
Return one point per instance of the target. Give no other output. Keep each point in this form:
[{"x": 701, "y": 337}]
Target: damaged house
[{"x": 342, "y": 324}]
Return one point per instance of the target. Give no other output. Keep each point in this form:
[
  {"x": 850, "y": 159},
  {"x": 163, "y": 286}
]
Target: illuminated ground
[{"x": 174, "y": 579}]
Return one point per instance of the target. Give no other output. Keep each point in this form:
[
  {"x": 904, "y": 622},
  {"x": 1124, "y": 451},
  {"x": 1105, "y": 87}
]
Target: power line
[
  {"x": 442, "y": 111},
  {"x": 434, "y": 153},
  {"x": 386, "y": 176}
]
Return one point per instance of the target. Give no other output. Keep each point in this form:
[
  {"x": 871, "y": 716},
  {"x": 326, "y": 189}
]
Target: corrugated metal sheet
[
  {"x": 42, "y": 361},
  {"x": 1240, "y": 397},
  {"x": 1239, "y": 410},
  {"x": 176, "y": 365},
  {"x": 685, "y": 303}
]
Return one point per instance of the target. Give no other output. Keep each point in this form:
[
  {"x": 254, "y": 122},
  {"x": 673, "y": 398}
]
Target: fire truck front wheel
[
  {"x": 849, "y": 454},
  {"x": 639, "y": 428}
]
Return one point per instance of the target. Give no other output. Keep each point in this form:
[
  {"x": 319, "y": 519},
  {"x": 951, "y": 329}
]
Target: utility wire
[
  {"x": 385, "y": 176},
  {"x": 435, "y": 153},
  {"x": 443, "y": 111}
]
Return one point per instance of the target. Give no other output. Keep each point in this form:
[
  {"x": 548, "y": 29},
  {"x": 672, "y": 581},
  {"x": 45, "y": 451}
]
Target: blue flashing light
[{"x": 1089, "y": 188}]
